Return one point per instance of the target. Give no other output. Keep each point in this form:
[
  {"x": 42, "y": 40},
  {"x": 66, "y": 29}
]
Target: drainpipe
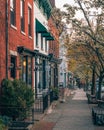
[{"x": 6, "y": 38}]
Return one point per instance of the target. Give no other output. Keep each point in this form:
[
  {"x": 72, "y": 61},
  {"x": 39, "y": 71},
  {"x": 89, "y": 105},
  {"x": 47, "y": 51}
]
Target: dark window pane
[
  {"x": 36, "y": 39},
  {"x": 22, "y": 25},
  {"x": 26, "y": 69},
  {"x": 22, "y": 16},
  {"x": 29, "y": 21},
  {"x": 13, "y": 67},
  {"x": 12, "y": 12},
  {"x": 29, "y": 70},
  {"x": 41, "y": 42}
]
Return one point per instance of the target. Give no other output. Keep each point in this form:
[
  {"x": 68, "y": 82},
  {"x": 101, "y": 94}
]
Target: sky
[{"x": 60, "y": 3}]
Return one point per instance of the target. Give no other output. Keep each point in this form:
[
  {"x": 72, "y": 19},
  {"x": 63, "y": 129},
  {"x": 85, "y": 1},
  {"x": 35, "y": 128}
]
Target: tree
[
  {"x": 57, "y": 17},
  {"x": 89, "y": 32}
]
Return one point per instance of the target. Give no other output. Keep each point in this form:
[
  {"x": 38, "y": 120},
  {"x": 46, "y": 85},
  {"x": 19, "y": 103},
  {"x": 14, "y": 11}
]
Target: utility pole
[{"x": 6, "y": 38}]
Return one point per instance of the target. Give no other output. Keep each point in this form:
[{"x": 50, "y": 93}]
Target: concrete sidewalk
[
  {"x": 73, "y": 114},
  {"x": 39, "y": 115}
]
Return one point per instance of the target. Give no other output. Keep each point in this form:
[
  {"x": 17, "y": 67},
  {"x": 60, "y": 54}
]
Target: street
[{"x": 73, "y": 114}]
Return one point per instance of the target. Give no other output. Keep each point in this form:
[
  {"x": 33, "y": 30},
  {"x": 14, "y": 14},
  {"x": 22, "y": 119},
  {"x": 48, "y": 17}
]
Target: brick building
[
  {"x": 27, "y": 38},
  {"x": 16, "y": 32},
  {"x": 54, "y": 52},
  {"x": 29, "y": 42}
]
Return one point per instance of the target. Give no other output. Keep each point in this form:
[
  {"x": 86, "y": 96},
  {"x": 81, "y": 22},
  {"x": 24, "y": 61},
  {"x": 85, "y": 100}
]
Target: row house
[
  {"x": 54, "y": 53},
  {"x": 42, "y": 12},
  {"x": 16, "y": 32},
  {"x": 29, "y": 43},
  {"x": 46, "y": 39}
]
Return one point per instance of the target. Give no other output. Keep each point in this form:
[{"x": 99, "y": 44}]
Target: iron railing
[{"x": 43, "y": 101}]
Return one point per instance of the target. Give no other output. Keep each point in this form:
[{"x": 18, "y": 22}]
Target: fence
[{"x": 43, "y": 101}]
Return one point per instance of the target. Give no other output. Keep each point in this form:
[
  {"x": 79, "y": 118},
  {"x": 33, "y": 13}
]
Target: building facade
[
  {"x": 17, "y": 40},
  {"x": 29, "y": 43},
  {"x": 46, "y": 45},
  {"x": 63, "y": 67}
]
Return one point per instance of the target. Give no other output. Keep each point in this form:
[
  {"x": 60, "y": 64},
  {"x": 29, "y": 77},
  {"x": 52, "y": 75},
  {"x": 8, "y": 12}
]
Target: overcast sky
[{"x": 60, "y": 3}]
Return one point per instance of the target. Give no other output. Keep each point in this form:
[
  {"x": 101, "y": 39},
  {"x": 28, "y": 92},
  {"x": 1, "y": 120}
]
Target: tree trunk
[
  {"x": 99, "y": 87},
  {"x": 93, "y": 82}
]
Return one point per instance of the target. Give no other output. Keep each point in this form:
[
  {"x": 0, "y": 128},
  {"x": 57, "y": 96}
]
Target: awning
[
  {"x": 41, "y": 29},
  {"x": 22, "y": 49},
  {"x": 48, "y": 36}
]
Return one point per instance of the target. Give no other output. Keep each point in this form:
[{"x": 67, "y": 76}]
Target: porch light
[{"x": 24, "y": 63}]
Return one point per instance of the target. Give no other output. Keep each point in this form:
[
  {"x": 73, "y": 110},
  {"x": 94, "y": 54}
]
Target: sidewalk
[
  {"x": 73, "y": 114},
  {"x": 39, "y": 116}
]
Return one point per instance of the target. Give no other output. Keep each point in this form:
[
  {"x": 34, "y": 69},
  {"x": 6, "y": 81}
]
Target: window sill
[
  {"x": 30, "y": 37},
  {"x": 13, "y": 27},
  {"x": 23, "y": 33}
]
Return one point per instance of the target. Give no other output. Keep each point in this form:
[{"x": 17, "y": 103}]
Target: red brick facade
[
  {"x": 54, "y": 45},
  {"x": 2, "y": 40},
  {"x": 15, "y": 36}
]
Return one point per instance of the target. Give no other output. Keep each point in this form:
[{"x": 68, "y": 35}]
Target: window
[
  {"x": 22, "y": 15},
  {"x": 29, "y": 79},
  {"x": 36, "y": 39},
  {"x": 25, "y": 72},
  {"x": 41, "y": 42},
  {"x": 45, "y": 45},
  {"x": 24, "y": 69},
  {"x": 12, "y": 12},
  {"x": 29, "y": 21},
  {"x": 44, "y": 74},
  {"x": 13, "y": 67}
]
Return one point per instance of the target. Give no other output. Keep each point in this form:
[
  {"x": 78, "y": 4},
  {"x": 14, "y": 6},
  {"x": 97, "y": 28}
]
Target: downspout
[{"x": 6, "y": 38}]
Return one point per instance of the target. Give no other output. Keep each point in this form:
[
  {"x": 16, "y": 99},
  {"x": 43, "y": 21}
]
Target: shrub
[
  {"x": 55, "y": 93},
  {"x": 17, "y": 98},
  {"x": 4, "y": 122}
]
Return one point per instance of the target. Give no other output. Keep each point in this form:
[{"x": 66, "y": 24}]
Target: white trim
[
  {"x": 29, "y": 5},
  {"x": 14, "y": 53},
  {"x": 23, "y": 33},
  {"x": 14, "y": 27}
]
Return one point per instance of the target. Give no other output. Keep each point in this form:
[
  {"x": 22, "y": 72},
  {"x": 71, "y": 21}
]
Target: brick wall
[
  {"x": 15, "y": 36},
  {"x": 54, "y": 45},
  {"x": 2, "y": 40}
]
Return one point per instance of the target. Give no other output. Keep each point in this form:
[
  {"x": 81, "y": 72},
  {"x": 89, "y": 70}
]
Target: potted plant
[{"x": 55, "y": 93}]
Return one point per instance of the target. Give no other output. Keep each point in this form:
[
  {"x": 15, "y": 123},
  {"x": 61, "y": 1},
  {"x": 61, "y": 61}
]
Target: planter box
[{"x": 20, "y": 126}]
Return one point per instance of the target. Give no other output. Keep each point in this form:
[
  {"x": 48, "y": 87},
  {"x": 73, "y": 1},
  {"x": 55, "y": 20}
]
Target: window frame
[
  {"x": 25, "y": 72},
  {"x": 30, "y": 20},
  {"x": 46, "y": 44},
  {"x": 22, "y": 17},
  {"x": 41, "y": 42},
  {"x": 37, "y": 36},
  {"x": 13, "y": 67},
  {"x": 13, "y": 12}
]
